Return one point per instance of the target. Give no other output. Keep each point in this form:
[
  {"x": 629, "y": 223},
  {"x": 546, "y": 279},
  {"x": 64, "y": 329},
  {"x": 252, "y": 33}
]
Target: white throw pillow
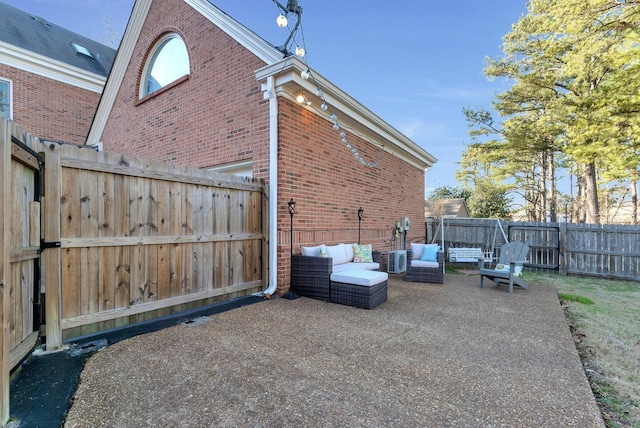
[{"x": 312, "y": 251}]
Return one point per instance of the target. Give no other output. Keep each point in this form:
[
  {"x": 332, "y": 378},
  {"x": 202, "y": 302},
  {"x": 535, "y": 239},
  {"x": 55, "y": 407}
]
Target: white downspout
[{"x": 273, "y": 186}]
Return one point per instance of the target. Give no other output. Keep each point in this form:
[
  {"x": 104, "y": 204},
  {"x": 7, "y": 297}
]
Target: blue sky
[{"x": 415, "y": 63}]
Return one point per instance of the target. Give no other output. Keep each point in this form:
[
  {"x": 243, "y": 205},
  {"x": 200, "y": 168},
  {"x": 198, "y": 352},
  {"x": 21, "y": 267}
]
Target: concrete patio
[{"x": 432, "y": 355}]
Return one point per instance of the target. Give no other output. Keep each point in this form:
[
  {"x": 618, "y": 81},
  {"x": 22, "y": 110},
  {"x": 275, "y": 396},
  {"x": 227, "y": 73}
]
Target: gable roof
[
  {"x": 33, "y": 44},
  {"x": 286, "y": 73},
  {"x": 446, "y": 208}
]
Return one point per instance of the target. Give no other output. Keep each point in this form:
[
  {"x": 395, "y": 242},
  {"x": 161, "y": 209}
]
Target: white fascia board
[
  {"x": 241, "y": 34},
  {"x": 41, "y": 65},
  {"x": 354, "y": 116}
]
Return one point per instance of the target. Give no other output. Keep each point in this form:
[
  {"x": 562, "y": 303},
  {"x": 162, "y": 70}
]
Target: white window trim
[
  {"x": 10, "y": 82},
  {"x": 152, "y": 54}
]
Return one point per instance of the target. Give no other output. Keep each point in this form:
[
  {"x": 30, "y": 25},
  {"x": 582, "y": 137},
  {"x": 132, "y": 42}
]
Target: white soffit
[{"x": 355, "y": 117}]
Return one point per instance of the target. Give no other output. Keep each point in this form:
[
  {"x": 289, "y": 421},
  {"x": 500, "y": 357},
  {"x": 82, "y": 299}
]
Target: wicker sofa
[
  {"x": 424, "y": 271},
  {"x": 311, "y": 275}
]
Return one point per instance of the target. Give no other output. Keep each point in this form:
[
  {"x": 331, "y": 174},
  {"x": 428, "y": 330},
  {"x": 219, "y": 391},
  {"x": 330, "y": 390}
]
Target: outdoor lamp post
[
  {"x": 290, "y": 295},
  {"x": 292, "y": 211},
  {"x": 360, "y": 211}
]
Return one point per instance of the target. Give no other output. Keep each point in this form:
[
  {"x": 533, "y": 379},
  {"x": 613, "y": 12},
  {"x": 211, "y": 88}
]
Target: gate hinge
[{"x": 44, "y": 245}]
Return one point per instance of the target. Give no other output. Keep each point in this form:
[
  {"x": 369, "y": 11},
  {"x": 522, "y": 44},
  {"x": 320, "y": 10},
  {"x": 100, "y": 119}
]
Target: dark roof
[{"x": 36, "y": 34}]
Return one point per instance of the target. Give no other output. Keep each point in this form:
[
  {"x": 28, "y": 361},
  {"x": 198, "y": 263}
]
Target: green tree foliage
[
  {"x": 449, "y": 192},
  {"x": 575, "y": 98},
  {"x": 490, "y": 200}
]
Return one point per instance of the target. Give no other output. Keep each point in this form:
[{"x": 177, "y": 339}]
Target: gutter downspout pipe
[{"x": 273, "y": 186}]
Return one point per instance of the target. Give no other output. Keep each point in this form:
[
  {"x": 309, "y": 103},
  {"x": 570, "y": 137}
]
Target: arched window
[{"x": 167, "y": 63}]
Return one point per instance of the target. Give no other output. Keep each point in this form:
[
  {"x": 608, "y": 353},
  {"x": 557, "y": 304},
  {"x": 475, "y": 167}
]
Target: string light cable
[{"x": 292, "y": 8}]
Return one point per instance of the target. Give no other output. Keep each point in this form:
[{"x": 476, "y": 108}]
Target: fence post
[
  {"x": 51, "y": 256},
  {"x": 562, "y": 245},
  {"x": 5, "y": 161}
]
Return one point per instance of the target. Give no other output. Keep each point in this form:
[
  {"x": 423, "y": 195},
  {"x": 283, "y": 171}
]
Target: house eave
[
  {"x": 49, "y": 68},
  {"x": 247, "y": 38},
  {"x": 235, "y": 30},
  {"x": 352, "y": 115}
]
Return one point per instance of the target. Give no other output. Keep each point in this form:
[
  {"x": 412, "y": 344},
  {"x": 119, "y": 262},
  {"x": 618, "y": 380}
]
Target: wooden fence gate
[{"x": 23, "y": 239}]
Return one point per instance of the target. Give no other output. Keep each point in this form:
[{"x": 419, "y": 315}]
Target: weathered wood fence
[
  {"x": 607, "y": 251},
  {"x": 110, "y": 240}
]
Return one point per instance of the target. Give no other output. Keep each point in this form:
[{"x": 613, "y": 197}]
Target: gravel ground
[{"x": 432, "y": 355}]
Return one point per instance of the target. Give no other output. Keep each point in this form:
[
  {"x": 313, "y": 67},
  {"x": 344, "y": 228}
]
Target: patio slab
[{"x": 431, "y": 355}]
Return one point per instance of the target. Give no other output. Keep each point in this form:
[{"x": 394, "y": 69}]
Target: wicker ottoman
[{"x": 360, "y": 288}]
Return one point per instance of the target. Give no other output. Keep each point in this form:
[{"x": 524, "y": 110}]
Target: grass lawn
[
  {"x": 605, "y": 319},
  {"x": 604, "y": 316}
]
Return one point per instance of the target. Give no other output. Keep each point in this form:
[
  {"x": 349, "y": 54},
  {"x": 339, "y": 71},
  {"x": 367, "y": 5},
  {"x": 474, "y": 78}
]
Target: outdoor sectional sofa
[{"x": 333, "y": 274}]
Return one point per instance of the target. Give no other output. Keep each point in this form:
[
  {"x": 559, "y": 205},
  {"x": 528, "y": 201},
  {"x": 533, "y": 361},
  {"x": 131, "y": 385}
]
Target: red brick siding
[
  {"x": 216, "y": 116},
  {"x": 329, "y": 185},
  {"x": 219, "y": 115},
  {"x": 49, "y": 109}
]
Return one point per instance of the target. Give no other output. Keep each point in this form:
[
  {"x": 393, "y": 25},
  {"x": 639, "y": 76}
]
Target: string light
[
  {"x": 282, "y": 21},
  {"x": 300, "y": 51}
]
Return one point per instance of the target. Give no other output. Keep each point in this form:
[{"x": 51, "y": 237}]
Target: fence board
[
  {"x": 607, "y": 251},
  {"x": 135, "y": 239},
  {"x": 170, "y": 238}
]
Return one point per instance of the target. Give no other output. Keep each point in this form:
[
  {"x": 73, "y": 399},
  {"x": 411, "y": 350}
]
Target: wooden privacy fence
[
  {"x": 109, "y": 240},
  {"x": 139, "y": 236},
  {"x": 601, "y": 250}
]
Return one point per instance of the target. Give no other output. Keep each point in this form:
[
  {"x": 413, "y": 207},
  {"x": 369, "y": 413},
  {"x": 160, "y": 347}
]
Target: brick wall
[
  {"x": 48, "y": 109},
  {"x": 216, "y": 116},
  {"x": 219, "y": 115},
  {"x": 329, "y": 185}
]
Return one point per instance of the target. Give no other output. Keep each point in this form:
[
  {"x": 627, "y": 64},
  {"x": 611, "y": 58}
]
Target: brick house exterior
[
  {"x": 237, "y": 105},
  {"x": 53, "y": 88}
]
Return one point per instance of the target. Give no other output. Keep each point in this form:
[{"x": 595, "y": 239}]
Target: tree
[
  {"x": 449, "y": 192},
  {"x": 574, "y": 64},
  {"x": 490, "y": 200}
]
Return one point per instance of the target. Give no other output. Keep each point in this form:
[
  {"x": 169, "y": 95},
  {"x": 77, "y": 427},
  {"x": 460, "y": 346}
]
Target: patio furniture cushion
[
  {"x": 360, "y": 288},
  {"x": 430, "y": 253},
  {"x": 365, "y": 278},
  {"x": 312, "y": 251},
  {"x": 417, "y": 249},
  {"x": 337, "y": 253},
  {"x": 355, "y": 266},
  {"x": 362, "y": 253},
  {"x": 424, "y": 264}
]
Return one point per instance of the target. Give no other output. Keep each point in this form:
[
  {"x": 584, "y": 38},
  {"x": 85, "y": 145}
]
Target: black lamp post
[
  {"x": 360, "y": 211},
  {"x": 292, "y": 210}
]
